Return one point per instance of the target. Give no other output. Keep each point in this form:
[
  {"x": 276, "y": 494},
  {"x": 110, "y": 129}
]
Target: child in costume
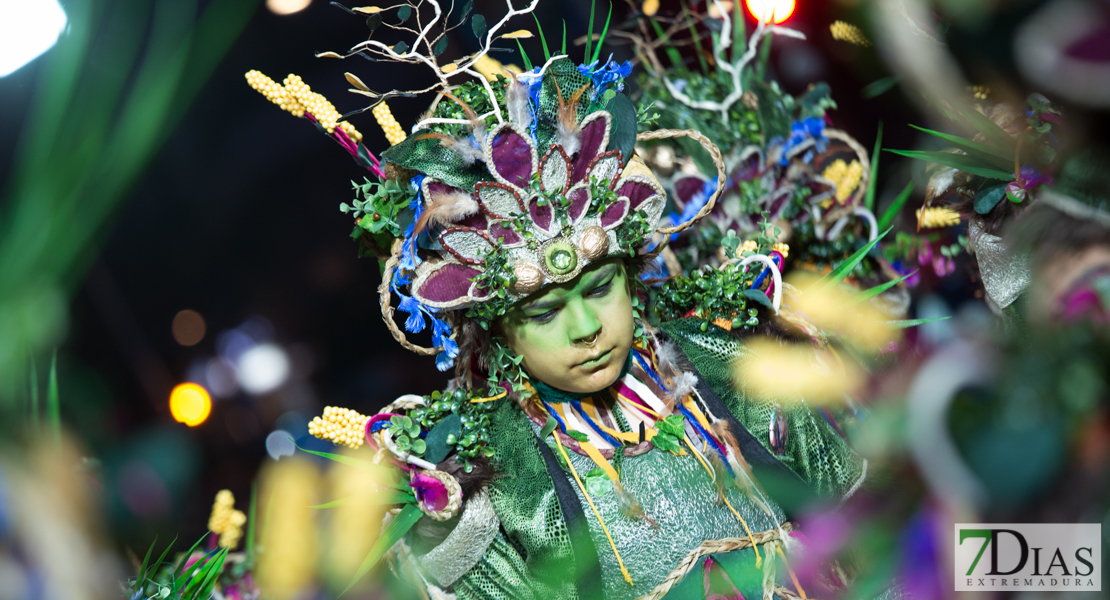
[{"x": 579, "y": 452}]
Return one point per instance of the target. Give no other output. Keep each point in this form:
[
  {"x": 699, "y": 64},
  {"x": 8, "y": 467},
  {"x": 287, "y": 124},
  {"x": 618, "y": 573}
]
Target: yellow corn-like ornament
[
  {"x": 936, "y": 216},
  {"x": 846, "y": 32},
  {"x": 340, "y": 426},
  {"x": 393, "y": 131}
]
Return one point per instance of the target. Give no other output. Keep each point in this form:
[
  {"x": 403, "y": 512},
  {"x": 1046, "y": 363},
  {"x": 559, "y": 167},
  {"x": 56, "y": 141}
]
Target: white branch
[{"x": 735, "y": 70}]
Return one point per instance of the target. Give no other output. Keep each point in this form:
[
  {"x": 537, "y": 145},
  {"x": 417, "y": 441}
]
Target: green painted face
[{"x": 575, "y": 336}]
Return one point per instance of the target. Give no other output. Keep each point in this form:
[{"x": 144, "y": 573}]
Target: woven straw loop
[
  {"x": 713, "y": 151},
  {"x": 707, "y": 547},
  {"x": 387, "y": 305}
]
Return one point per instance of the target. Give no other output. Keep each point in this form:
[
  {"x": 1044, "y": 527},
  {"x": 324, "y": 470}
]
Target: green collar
[{"x": 548, "y": 393}]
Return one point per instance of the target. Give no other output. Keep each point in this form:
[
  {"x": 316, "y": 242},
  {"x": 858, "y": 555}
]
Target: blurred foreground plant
[{"x": 109, "y": 95}]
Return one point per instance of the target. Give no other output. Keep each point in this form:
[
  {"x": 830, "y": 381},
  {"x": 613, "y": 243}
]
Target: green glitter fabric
[
  {"x": 428, "y": 156},
  {"x": 679, "y": 495},
  {"x": 814, "y": 450},
  {"x": 534, "y": 557}
]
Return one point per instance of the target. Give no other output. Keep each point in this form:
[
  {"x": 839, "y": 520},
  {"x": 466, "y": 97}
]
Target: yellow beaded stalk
[
  {"x": 846, "y": 32},
  {"x": 393, "y": 131},
  {"x": 226, "y": 521},
  {"x": 749, "y": 246},
  {"x": 296, "y": 97},
  {"x": 936, "y": 216},
  {"x": 782, "y": 249},
  {"x": 340, "y": 426},
  {"x": 845, "y": 176}
]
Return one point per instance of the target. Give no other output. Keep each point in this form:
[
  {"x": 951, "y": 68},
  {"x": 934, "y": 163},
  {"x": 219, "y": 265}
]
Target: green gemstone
[{"x": 560, "y": 258}]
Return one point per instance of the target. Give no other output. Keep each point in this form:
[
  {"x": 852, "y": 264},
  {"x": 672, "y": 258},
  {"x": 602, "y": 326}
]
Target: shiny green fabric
[
  {"x": 814, "y": 450},
  {"x": 533, "y": 557},
  {"x": 679, "y": 495}
]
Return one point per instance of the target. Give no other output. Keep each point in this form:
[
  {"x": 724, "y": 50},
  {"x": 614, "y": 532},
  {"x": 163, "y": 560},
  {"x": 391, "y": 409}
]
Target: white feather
[
  {"x": 451, "y": 207},
  {"x": 466, "y": 150},
  {"x": 684, "y": 385},
  {"x": 518, "y": 105},
  {"x": 567, "y": 135},
  {"x": 667, "y": 355}
]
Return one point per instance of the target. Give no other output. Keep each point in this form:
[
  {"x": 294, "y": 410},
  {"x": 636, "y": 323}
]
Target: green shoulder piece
[
  {"x": 814, "y": 450},
  {"x": 524, "y": 499}
]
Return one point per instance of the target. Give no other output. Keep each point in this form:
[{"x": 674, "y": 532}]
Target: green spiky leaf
[
  {"x": 524, "y": 56},
  {"x": 1000, "y": 158},
  {"x": 397, "y": 528},
  {"x": 847, "y": 265},
  {"x": 896, "y": 207},
  {"x": 543, "y": 40},
  {"x": 604, "y": 33},
  {"x": 869, "y": 196},
  {"x": 386, "y": 474},
  {"x": 879, "y": 87},
  {"x": 905, "y": 323},
  {"x": 963, "y": 162},
  {"x": 870, "y": 293}
]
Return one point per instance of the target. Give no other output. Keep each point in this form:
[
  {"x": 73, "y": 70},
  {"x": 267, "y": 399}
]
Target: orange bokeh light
[
  {"x": 190, "y": 404},
  {"x": 760, "y": 9}
]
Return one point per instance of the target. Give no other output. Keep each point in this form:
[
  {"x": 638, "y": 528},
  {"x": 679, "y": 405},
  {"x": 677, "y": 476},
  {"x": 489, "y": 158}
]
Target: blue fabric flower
[
  {"x": 800, "y": 132},
  {"x": 606, "y": 75},
  {"x": 696, "y": 203}
]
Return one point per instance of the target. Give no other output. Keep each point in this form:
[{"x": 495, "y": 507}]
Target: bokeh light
[
  {"x": 263, "y": 368},
  {"x": 188, "y": 327},
  {"x": 287, "y": 7},
  {"x": 760, "y": 9},
  {"x": 27, "y": 29},
  {"x": 190, "y": 404}
]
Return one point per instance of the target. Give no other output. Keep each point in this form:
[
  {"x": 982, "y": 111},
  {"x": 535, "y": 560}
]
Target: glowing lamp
[
  {"x": 287, "y": 7},
  {"x": 190, "y": 404},
  {"x": 762, "y": 10},
  {"x": 27, "y": 29}
]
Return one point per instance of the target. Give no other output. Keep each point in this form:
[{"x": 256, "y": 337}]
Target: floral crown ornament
[
  {"x": 511, "y": 181},
  {"x": 559, "y": 195}
]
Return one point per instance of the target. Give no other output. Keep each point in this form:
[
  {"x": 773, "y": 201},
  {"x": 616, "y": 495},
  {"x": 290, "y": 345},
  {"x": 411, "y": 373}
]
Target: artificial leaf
[
  {"x": 478, "y": 26},
  {"x": 998, "y": 157},
  {"x": 385, "y": 474},
  {"x": 622, "y": 135},
  {"x": 962, "y": 162},
  {"x": 905, "y": 323},
  {"x": 665, "y": 442},
  {"x": 869, "y": 196},
  {"x": 418, "y": 446},
  {"x": 374, "y": 21},
  {"x": 404, "y": 13},
  {"x": 548, "y": 427},
  {"x": 578, "y": 435},
  {"x": 401, "y": 47},
  {"x": 896, "y": 207},
  {"x": 598, "y": 483},
  {"x": 437, "y": 449},
  {"x": 879, "y": 87},
  {"x": 759, "y": 297},
  {"x": 882, "y": 287},
  {"x": 440, "y": 46},
  {"x": 988, "y": 198},
  {"x": 397, "y": 528},
  {"x": 673, "y": 425},
  {"x": 466, "y": 8},
  {"x": 543, "y": 40},
  {"x": 177, "y": 572},
  {"x": 847, "y": 265}
]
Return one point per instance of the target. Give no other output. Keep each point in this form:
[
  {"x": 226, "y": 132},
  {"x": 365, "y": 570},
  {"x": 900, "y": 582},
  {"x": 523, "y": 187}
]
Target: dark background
[{"x": 237, "y": 218}]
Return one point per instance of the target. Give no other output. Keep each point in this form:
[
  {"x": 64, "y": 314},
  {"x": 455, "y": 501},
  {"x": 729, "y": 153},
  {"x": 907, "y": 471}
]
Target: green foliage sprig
[
  {"x": 379, "y": 209},
  {"x": 449, "y": 423},
  {"x": 713, "y": 294}
]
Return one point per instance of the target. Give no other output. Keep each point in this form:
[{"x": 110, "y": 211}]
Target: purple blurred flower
[{"x": 429, "y": 491}]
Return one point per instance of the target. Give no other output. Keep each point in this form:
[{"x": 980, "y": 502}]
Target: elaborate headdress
[
  {"x": 785, "y": 164},
  {"x": 511, "y": 182}
]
